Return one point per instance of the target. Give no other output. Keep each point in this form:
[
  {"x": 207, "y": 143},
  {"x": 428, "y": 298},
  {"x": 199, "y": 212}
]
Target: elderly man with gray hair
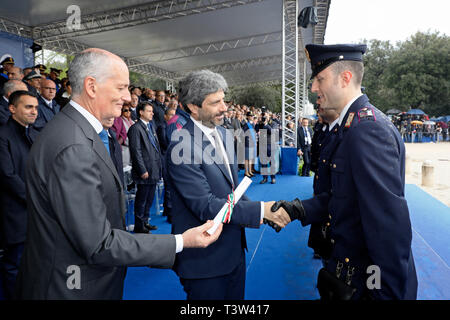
[
  {"x": 77, "y": 246},
  {"x": 9, "y": 87},
  {"x": 203, "y": 177}
]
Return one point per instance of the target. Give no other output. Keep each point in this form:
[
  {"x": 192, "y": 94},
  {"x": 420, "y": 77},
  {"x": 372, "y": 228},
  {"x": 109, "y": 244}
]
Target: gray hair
[
  {"x": 88, "y": 63},
  {"x": 194, "y": 88},
  {"x": 11, "y": 86}
]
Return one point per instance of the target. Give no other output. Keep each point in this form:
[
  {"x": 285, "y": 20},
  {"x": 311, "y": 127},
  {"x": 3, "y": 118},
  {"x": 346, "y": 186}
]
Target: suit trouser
[
  {"x": 10, "y": 268},
  {"x": 144, "y": 198},
  {"x": 306, "y": 161},
  {"x": 226, "y": 287}
]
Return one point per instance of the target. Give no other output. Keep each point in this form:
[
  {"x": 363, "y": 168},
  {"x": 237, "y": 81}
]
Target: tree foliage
[{"x": 414, "y": 74}]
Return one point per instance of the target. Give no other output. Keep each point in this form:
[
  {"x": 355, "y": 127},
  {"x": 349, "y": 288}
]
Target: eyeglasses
[
  {"x": 126, "y": 110},
  {"x": 48, "y": 88}
]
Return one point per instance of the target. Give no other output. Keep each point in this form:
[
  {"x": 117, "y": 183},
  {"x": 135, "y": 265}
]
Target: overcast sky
[{"x": 395, "y": 20}]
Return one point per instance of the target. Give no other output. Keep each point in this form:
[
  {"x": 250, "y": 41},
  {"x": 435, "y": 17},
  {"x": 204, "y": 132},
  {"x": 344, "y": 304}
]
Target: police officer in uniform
[{"x": 370, "y": 228}]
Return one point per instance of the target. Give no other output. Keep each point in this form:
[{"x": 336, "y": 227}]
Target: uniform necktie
[{"x": 104, "y": 136}]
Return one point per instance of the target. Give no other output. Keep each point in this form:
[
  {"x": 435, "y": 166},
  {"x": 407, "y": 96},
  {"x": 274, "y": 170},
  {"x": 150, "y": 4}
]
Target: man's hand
[
  {"x": 299, "y": 152},
  {"x": 276, "y": 219},
  {"x": 199, "y": 238},
  {"x": 144, "y": 176},
  {"x": 293, "y": 208}
]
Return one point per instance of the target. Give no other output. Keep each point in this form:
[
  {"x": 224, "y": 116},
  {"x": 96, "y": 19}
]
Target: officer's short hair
[
  {"x": 356, "y": 68},
  {"x": 14, "y": 98}
]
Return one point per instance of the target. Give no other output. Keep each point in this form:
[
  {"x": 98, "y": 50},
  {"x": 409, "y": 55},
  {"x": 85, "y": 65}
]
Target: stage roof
[{"x": 242, "y": 40}]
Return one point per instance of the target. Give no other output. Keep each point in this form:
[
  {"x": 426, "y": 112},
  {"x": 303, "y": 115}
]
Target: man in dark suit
[
  {"x": 146, "y": 165},
  {"x": 202, "y": 178},
  {"x": 16, "y": 138},
  {"x": 304, "y": 140},
  {"x": 159, "y": 109},
  {"x": 47, "y": 105},
  {"x": 370, "y": 228},
  {"x": 77, "y": 246}
]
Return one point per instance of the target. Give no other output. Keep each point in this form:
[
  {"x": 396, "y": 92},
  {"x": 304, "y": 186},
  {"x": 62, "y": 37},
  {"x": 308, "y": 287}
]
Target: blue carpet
[{"x": 280, "y": 265}]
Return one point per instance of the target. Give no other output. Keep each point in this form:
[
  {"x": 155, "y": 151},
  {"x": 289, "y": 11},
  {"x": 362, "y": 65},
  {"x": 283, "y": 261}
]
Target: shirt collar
[
  {"x": 145, "y": 122},
  {"x": 49, "y": 102},
  {"x": 343, "y": 113},
  {"x": 95, "y": 123},
  {"x": 206, "y": 130}
]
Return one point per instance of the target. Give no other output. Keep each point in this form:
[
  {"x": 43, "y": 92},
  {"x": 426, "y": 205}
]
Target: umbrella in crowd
[
  {"x": 415, "y": 111},
  {"x": 393, "y": 111},
  {"x": 444, "y": 118},
  {"x": 443, "y": 124},
  {"x": 416, "y": 122},
  {"x": 429, "y": 122}
]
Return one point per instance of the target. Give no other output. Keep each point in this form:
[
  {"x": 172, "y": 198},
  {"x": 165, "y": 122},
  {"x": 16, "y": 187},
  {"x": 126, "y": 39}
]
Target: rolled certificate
[{"x": 240, "y": 190}]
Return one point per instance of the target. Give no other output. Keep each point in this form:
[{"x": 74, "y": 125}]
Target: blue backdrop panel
[
  {"x": 289, "y": 160},
  {"x": 18, "y": 47}
]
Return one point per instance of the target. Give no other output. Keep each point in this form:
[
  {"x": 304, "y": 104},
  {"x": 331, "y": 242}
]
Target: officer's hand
[
  {"x": 293, "y": 208},
  {"x": 277, "y": 219},
  {"x": 199, "y": 238},
  {"x": 144, "y": 176},
  {"x": 299, "y": 153}
]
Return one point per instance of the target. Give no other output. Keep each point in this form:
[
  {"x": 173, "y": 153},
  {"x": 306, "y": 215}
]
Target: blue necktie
[
  {"x": 151, "y": 136},
  {"x": 104, "y": 136}
]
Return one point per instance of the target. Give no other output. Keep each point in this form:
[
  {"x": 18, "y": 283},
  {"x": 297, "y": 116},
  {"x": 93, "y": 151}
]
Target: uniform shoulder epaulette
[{"x": 366, "y": 113}]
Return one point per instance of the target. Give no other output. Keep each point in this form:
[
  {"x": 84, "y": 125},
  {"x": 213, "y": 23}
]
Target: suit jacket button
[
  {"x": 347, "y": 260},
  {"x": 332, "y": 241},
  {"x": 334, "y": 165},
  {"x": 324, "y": 161}
]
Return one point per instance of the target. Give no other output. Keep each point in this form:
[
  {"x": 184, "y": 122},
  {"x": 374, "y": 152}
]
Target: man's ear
[
  {"x": 346, "y": 77},
  {"x": 90, "y": 86}
]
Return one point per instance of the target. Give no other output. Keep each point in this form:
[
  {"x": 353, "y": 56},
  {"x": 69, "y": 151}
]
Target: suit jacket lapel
[
  {"x": 204, "y": 144},
  {"x": 99, "y": 147},
  {"x": 145, "y": 132}
]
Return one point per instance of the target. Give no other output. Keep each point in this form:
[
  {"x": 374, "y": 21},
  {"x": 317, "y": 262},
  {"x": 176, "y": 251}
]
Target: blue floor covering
[{"x": 280, "y": 265}]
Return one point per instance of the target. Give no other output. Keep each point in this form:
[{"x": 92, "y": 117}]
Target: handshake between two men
[
  {"x": 282, "y": 212},
  {"x": 276, "y": 214}
]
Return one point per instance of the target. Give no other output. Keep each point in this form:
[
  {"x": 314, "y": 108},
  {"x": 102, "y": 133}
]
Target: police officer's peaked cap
[
  {"x": 321, "y": 55},
  {"x": 41, "y": 67},
  {"x": 33, "y": 74},
  {"x": 7, "y": 60}
]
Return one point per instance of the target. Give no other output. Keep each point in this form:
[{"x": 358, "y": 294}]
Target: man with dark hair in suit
[
  {"x": 202, "y": 180},
  {"x": 16, "y": 138},
  {"x": 146, "y": 165},
  {"x": 77, "y": 246},
  {"x": 304, "y": 140}
]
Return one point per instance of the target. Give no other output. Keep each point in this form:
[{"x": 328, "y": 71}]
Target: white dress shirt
[
  {"x": 208, "y": 131},
  {"x": 98, "y": 127}
]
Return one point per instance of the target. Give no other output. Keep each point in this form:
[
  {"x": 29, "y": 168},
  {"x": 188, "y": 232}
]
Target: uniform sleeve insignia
[
  {"x": 349, "y": 119},
  {"x": 366, "y": 113}
]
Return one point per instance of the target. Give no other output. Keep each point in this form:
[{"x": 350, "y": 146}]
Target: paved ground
[{"x": 439, "y": 154}]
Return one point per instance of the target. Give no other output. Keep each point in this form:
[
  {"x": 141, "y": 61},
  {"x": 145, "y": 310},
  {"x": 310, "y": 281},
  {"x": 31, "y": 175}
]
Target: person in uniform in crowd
[
  {"x": 33, "y": 81},
  {"x": 267, "y": 148},
  {"x": 63, "y": 95},
  {"x": 370, "y": 228},
  {"x": 321, "y": 150},
  {"x": 304, "y": 140},
  {"x": 16, "y": 138},
  {"x": 77, "y": 246},
  {"x": 201, "y": 187},
  {"x": 146, "y": 162},
  {"x": 5, "y": 66},
  {"x": 249, "y": 145},
  {"x": 9, "y": 87},
  {"x": 159, "y": 108},
  {"x": 54, "y": 75},
  {"x": 48, "y": 107}
]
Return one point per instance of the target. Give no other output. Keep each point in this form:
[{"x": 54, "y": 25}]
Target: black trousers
[
  {"x": 10, "y": 268},
  {"x": 226, "y": 287},
  {"x": 306, "y": 161},
  {"x": 144, "y": 198}
]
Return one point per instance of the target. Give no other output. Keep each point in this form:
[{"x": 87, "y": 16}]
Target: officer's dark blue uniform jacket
[{"x": 370, "y": 222}]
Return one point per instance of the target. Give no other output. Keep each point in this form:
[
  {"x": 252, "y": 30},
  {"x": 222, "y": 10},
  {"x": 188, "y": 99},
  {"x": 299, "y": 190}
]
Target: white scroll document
[{"x": 240, "y": 190}]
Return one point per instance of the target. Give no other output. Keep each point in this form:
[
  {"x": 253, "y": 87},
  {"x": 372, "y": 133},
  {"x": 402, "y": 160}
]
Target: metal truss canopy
[{"x": 242, "y": 39}]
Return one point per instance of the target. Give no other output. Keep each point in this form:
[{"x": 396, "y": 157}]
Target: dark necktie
[
  {"x": 104, "y": 136},
  {"x": 151, "y": 136},
  {"x": 27, "y": 134}
]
